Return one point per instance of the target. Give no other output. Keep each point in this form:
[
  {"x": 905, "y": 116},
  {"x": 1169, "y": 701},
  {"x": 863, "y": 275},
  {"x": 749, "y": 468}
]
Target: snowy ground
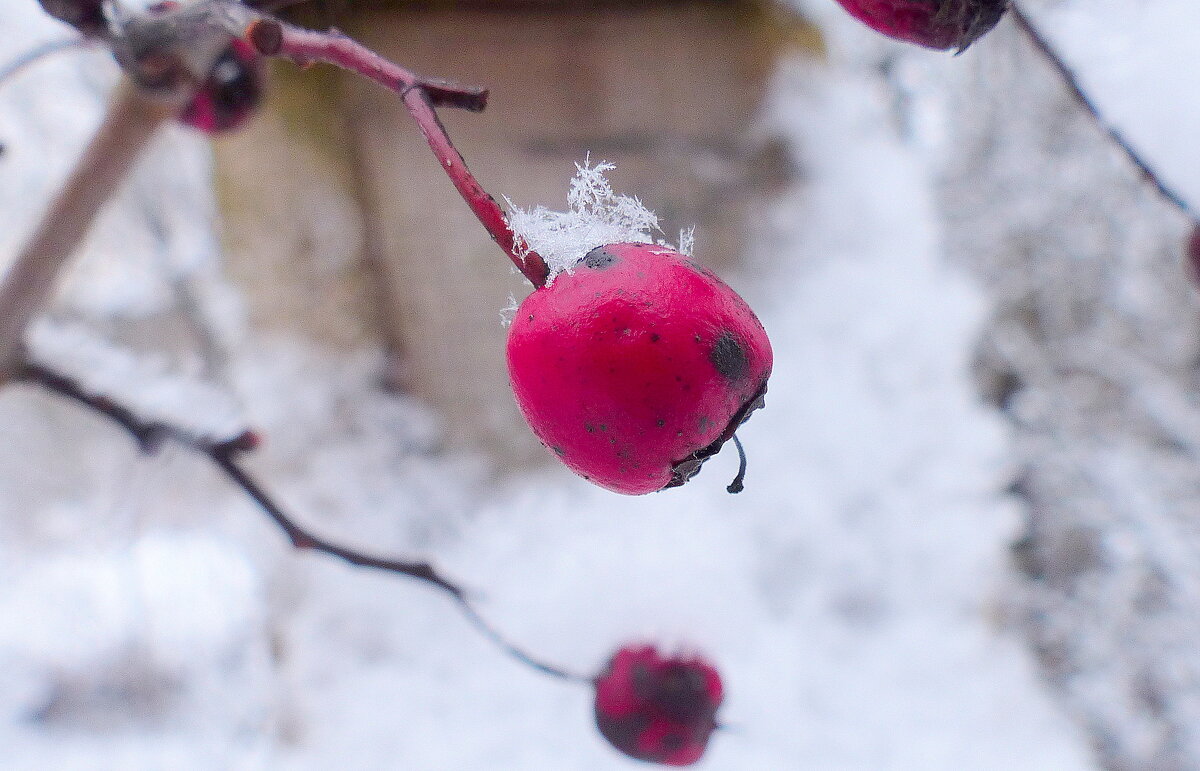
[{"x": 853, "y": 596}]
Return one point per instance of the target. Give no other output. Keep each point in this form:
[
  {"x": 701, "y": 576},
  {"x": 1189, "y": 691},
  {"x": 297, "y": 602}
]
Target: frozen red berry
[
  {"x": 231, "y": 94},
  {"x": 940, "y": 24},
  {"x": 636, "y": 366},
  {"x": 660, "y": 709}
]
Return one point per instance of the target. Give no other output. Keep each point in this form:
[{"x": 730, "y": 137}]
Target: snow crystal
[{"x": 596, "y": 215}]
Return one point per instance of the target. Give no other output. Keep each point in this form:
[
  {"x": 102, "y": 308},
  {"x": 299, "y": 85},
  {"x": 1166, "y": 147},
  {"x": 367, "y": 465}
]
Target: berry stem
[
  {"x": 132, "y": 120},
  {"x": 225, "y": 455},
  {"x": 421, "y": 96},
  {"x": 1071, "y": 80},
  {"x": 739, "y": 482}
]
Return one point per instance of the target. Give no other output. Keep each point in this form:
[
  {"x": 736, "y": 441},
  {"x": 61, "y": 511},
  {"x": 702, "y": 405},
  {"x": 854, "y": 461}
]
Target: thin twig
[
  {"x": 132, "y": 120},
  {"x": 1071, "y": 80},
  {"x": 35, "y": 55},
  {"x": 224, "y": 454},
  {"x": 421, "y": 95}
]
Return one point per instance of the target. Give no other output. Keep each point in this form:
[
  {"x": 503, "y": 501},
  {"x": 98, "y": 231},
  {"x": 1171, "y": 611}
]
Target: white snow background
[{"x": 150, "y": 618}]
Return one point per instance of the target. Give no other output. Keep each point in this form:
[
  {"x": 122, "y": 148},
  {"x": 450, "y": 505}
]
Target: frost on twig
[
  {"x": 148, "y": 388},
  {"x": 596, "y": 215}
]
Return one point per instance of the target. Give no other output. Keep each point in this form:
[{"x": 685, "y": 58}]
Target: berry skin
[
  {"x": 636, "y": 366},
  {"x": 658, "y": 709},
  {"x": 232, "y": 93},
  {"x": 940, "y": 24}
]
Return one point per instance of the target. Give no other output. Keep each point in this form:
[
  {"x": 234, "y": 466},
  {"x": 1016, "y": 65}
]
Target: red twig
[
  {"x": 421, "y": 95},
  {"x": 1071, "y": 80},
  {"x": 224, "y": 454}
]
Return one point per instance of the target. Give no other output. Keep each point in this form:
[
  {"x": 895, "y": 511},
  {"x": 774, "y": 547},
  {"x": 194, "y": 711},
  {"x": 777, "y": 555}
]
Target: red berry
[
  {"x": 939, "y": 24},
  {"x": 637, "y": 366},
  {"x": 232, "y": 93},
  {"x": 658, "y": 709}
]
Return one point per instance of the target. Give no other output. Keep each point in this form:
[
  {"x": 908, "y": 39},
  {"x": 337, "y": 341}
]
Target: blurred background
[{"x": 967, "y": 538}]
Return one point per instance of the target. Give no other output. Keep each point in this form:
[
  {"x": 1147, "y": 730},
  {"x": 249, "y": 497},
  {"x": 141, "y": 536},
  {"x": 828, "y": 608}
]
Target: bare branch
[
  {"x": 37, "y": 54},
  {"x": 421, "y": 95},
  {"x": 1071, "y": 80},
  {"x": 132, "y": 120},
  {"x": 224, "y": 454}
]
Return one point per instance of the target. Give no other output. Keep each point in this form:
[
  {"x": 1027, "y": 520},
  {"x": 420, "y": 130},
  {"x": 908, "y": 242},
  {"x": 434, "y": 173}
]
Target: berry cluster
[{"x": 633, "y": 366}]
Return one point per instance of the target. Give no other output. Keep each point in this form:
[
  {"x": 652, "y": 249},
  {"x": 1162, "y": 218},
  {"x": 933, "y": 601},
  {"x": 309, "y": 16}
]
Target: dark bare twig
[
  {"x": 421, "y": 95},
  {"x": 224, "y": 454},
  {"x": 1071, "y": 80},
  {"x": 35, "y": 55}
]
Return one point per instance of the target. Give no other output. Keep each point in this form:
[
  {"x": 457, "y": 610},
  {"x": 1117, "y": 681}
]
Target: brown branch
[
  {"x": 1071, "y": 81},
  {"x": 132, "y": 120},
  {"x": 421, "y": 95},
  {"x": 224, "y": 454}
]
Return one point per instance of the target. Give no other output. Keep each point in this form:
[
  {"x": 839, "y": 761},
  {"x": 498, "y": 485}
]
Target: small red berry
[
  {"x": 658, "y": 709},
  {"x": 636, "y": 366},
  {"x": 940, "y": 24},
  {"x": 231, "y": 94}
]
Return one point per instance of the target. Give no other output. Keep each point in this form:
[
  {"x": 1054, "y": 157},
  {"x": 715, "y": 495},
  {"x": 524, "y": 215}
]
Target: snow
[
  {"x": 596, "y": 215},
  {"x": 858, "y": 597}
]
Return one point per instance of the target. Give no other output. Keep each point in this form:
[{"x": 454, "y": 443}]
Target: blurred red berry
[
  {"x": 658, "y": 709},
  {"x": 232, "y": 93},
  {"x": 939, "y": 24},
  {"x": 637, "y": 366}
]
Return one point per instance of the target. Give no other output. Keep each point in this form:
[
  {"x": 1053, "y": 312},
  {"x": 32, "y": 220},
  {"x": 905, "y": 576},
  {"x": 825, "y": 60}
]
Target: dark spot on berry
[
  {"x": 655, "y": 337},
  {"x": 560, "y": 452},
  {"x": 661, "y": 422},
  {"x": 591, "y": 429},
  {"x": 600, "y": 259},
  {"x": 729, "y": 357}
]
